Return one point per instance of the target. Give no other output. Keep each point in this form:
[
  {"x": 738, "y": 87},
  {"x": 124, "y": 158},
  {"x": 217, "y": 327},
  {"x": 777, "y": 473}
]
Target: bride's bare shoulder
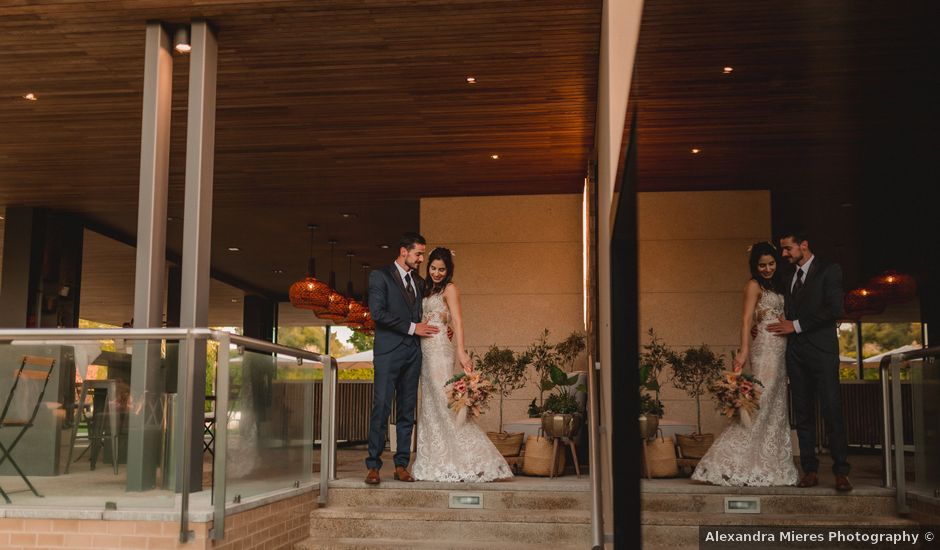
[{"x": 450, "y": 290}]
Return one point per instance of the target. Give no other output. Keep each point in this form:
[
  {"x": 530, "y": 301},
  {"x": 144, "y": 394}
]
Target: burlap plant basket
[
  {"x": 695, "y": 445},
  {"x": 508, "y": 444},
  {"x": 661, "y": 454},
  {"x": 538, "y": 457}
]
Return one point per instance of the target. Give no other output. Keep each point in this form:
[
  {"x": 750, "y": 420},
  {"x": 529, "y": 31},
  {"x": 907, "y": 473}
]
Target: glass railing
[
  {"x": 924, "y": 376},
  {"x": 91, "y": 419}
]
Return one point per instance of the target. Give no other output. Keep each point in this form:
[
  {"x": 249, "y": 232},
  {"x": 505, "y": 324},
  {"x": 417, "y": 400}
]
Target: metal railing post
[
  {"x": 896, "y": 408},
  {"x": 327, "y": 428},
  {"x": 185, "y": 416},
  {"x": 886, "y": 422},
  {"x": 221, "y": 435},
  {"x": 597, "y": 526}
]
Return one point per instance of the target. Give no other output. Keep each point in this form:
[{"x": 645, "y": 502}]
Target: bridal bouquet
[
  {"x": 468, "y": 394},
  {"x": 738, "y": 394}
]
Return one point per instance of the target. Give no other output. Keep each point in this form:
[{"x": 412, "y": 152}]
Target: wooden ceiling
[
  {"x": 829, "y": 105},
  {"x": 323, "y": 108}
]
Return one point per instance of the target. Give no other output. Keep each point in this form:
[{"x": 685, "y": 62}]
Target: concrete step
[
  {"x": 395, "y": 544},
  {"x": 440, "y": 499},
  {"x": 467, "y": 526},
  {"x": 714, "y": 503}
]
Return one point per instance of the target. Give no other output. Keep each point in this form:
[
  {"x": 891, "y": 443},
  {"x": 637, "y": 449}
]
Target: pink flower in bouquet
[{"x": 460, "y": 386}]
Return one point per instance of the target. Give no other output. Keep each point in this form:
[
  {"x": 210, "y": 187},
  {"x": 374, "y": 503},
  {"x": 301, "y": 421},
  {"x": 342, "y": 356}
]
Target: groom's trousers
[
  {"x": 396, "y": 372},
  {"x": 815, "y": 374}
]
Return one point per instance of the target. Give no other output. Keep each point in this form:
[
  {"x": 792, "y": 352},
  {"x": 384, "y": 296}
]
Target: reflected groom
[{"x": 813, "y": 307}]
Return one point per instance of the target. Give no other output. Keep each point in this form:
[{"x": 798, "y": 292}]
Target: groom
[
  {"x": 813, "y": 307},
  {"x": 395, "y": 293}
]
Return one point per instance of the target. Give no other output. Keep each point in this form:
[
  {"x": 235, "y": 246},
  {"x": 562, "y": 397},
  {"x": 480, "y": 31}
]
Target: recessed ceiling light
[
  {"x": 494, "y": 157},
  {"x": 234, "y": 300},
  {"x": 383, "y": 246},
  {"x": 277, "y": 271},
  {"x": 30, "y": 97},
  {"x": 181, "y": 41},
  {"x": 348, "y": 215},
  {"x": 471, "y": 80},
  {"x": 728, "y": 70},
  {"x": 696, "y": 151},
  {"x": 234, "y": 249}
]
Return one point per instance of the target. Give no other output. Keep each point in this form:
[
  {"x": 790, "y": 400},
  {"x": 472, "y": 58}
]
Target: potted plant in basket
[
  {"x": 695, "y": 371},
  {"x": 655, "y": 358},
  {"x": 506, "y": 370},
  {"x": 562, "y": 413}
]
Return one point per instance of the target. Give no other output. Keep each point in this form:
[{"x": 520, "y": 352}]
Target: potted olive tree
[
  {"x": 694, "y": 372},
  {"x": 654, "y": 359},
  {"x": 506, "y": 370}
]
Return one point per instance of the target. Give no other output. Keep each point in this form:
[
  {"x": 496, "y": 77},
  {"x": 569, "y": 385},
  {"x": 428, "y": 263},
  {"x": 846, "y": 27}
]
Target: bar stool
[{"x": 99, "y": 423}]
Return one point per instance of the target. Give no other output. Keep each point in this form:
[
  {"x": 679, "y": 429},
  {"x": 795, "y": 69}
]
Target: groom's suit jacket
[
  {"x": 393, "y": 308},
  {"x": 817, "y": 306}
]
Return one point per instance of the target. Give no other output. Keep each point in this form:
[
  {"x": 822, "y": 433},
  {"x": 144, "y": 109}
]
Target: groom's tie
[
  {"x": 411, "y": 288},
  {"x": 799, "y": 281}
]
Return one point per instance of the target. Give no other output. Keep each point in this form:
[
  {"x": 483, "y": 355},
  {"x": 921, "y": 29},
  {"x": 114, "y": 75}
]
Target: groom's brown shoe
[
  {"x": 809, "y": 479},
  {"x": 843, "y": 485},
  {"x": 372, "y": 478},
  {"x": 401, "y": 474}
]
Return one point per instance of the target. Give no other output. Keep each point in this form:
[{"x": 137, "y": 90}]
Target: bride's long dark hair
[
  {"x": 759, "y": 250},
  {"x": 446, "y": 256}
]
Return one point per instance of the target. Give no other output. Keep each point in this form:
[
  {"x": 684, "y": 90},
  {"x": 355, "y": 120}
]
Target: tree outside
[{"x": 877, "y": 338}]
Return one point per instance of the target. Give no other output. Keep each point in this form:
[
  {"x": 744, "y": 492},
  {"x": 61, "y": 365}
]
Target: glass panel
[
  {"x": 925, "y": 382},
  {"x": 270, "y": 423},
  {"x": 55, "y": 391}
]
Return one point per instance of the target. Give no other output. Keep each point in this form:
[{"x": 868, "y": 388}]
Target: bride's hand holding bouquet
[
  {"x": 468, "y": 394},
  {"x": 738, "y": 394}
]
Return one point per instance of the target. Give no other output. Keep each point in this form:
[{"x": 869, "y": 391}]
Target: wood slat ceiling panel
[{"x": 322, "y": 107}]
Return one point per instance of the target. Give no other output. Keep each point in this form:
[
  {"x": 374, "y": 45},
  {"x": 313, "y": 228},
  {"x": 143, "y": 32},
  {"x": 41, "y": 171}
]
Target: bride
[
  {"x": 759, "y": 454},
  {"x": 448, "y": 449}
]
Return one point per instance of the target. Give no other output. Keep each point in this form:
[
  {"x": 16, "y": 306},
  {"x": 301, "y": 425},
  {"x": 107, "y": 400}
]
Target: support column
[
  {"x": 146, "y": 381},
  {"x": 197, "y": 232}
]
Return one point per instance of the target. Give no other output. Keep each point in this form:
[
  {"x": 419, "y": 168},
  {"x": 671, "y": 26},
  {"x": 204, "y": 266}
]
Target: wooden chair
[{"x": 32, "y": 368}]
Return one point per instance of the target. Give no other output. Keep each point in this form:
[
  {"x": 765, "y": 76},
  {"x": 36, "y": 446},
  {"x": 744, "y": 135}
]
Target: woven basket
[
  {"x": 538, "y": 457},
  {"x": 661, "y": 454},
  {"x": 695, "y": 445},
  {"x": 508, "y": 444}
]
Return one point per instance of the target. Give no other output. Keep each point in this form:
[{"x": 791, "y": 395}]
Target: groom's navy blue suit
[
  {"x": 813, "y": 362},
  {"x": 396, "y": 362}
]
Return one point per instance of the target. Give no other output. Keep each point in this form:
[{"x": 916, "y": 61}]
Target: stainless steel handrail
[
  {"x": 188, "y": 336},
  {"x": 894, "y": 469}
]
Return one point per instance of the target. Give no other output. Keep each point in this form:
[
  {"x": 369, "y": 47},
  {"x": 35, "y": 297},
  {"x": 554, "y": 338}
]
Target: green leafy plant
[
  {"x": 505, "y": 369},
  {"x": 548, "y": 360},
  {"x": 694, "y": 372},
  {"x": 534, "y": 410},
  {"x": 562, "y": 403},
  {"x": 654, "y": 359}
]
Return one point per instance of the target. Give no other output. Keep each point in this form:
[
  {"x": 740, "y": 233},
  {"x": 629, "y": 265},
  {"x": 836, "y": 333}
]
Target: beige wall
[
  {"x": 693, "y": 269},
  {"x": 518, "y": 267}
]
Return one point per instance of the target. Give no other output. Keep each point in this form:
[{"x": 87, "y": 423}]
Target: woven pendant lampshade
[
  {"x": 861, "y": 302},
  {"x": 310, "y": 293},
  {"x": 337, "y": 307},
  {"x": 894, "y": 286}
]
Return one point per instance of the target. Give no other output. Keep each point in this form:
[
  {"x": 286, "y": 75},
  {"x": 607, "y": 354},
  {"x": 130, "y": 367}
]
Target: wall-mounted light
[
  {"x": 30, "y": 97},
  {"x": 181, "y": 40}
]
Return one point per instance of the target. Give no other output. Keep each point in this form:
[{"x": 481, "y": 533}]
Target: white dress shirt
[
  {"x": 402, "y": 273},
  {"x": 805, "y": 269}
]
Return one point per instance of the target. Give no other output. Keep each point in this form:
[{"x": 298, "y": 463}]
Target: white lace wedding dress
[
  {"x": 759, "y": 454},
  {"x": 448, "y": 450}
]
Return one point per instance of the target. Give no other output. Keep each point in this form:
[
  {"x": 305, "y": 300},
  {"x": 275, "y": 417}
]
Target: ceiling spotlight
[
  {"x": 181, "y": 40},
  {"x": 30, "y": 97},
  {"x": 347, "y": 215},
  {"x": 494, "y": 157},
  {"x": 696, "y": 151},
  {"x": 383, "y": 246},
  {"x": 277, "y": 271},
  {"x": 234, "y": 300},
  {"x": 471, "y": 80},
  {"x": 234, "y": 249},
  {"x": 728, "y": 70}
]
